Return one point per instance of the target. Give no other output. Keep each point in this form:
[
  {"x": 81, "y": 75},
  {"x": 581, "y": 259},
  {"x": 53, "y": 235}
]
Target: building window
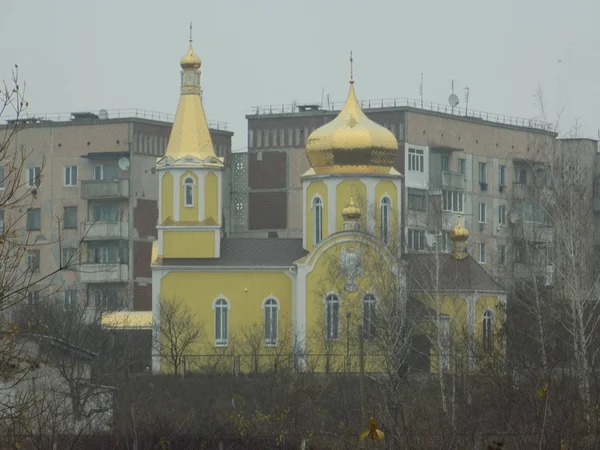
[
  {"x": 487, "y": 329},
  {"x": 502, "y": 255},
  {"x": 332, "y": 317},
  {"x": 106, "y": 213},
  {"x": 369, "y": 305},
  {"x": 453, "y": 201},
  {"x": 258, "y": 138},
  {"x": 416, "y": 199},
  {"x": 482, "y": 212},
  {"x": 2, "y": 178},
  {"x": 415, "y": 240},
  {"x": 70, "y": 297},
  {"x": 33, "y": 298},
  {"x": 416, "y": 160},
  {"x": 290, "y": 137},
  {"x": 221, "y": 322},
  {"x": 502, "y": 175},
  {"x": 445, "y": 163},
  {"x": 105, "y": 298},
  {"x": 68, "y": 257},
  {"x": 521, "y": 254},
  {"x": 33, "y": 260},
  {"x": 1, "y": 221},
  {"x": 534, "y": 212},
  {"x": 106, "y": 172},
  {"x": 70, "y": 175},
  {"x": 462, "y": 166},
  {"x": 34, "y": 219},
  {"x": 502, "y": 215},
  {"x": 482, "y": 253},
  {"x": 70, "y": 217},
  {"x": 520, "y": 175},
  {"x": 482, "y": 172},
  {"x": 318, "y": 219},
  {"x": 105, "y": 255},
  {"x": 446, "y": 242},
  {"x": 189, "y": 191},
  {"x": 385, "y": 218},
  {"x": 33, "y": 177},
  {"x": 271, "y": 308}
]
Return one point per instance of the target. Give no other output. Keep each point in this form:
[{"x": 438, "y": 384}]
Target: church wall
[
  {"x": 245, "y": 292},
  {"x": 166, "y": 193},
  {"x": 315, "y": 188},
  {"x": 188, "y": 213},
  {"x": 211, "y": 195},
  {"x": 189, "y": 244},
  {"x": 343, "y": 191},
  {"x": 388, "y": 189},
  {"x": 495, "y": 306}
]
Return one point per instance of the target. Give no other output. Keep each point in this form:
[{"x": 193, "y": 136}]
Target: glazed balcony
[{"x": 447, "y": 180}]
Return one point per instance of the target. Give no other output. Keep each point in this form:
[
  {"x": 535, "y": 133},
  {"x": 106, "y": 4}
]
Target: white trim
[
  {"x": 219, "y": 197},
  {"x": 221, "y": 297},
  {"x": 390, "y": 205},
  {"x": 221, "y": 342},
  {"x": 304, "y": 213},
  {"x": 187, "y": 227},
  {"x": 176, "y": 189},
  {"x": 185, "y": 183},
  {"x": 217, "y": 234},
  {"x": 270, "y": 297},
  {"x": 339, "y": 304},
  {"x": 398, "y": 185},
  {"x": 201, "y": 190},
  {"x": 312, "y": 206},
  {"x": 332, "y": 207},
  {"x": 222, "y": 268},
  {"x": 157, "y": 276},
  {"x": 371, "y": 186},
  {"x": 160, "y": 190},
  {"x": 161, "y": 241},
  {"x": 299, "y": 326},
  {"x": 278, "y": 307},
  {"x": 65, "y": 175},
  {"x": 332, "y": 293}
]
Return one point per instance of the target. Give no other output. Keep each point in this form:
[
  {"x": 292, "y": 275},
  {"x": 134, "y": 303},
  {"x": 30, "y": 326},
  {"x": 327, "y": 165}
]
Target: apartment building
[
  {"x": 96, "y": 201},
  {"x": 455, "y": 162}
]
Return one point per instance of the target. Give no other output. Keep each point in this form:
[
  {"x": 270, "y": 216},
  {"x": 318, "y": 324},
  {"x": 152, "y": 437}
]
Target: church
[{"x": 329, "y": 299}]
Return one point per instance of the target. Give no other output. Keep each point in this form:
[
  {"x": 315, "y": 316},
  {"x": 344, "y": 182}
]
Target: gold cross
[
  {"x": 190, "y": 32},
  {"x": 351, "y": 68}
]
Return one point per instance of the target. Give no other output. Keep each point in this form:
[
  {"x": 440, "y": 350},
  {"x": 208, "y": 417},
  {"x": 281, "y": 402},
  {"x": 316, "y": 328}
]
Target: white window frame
[
  {"x": 481, "y": 256},
  {"x": 317, "y": 207},
  {"x": 483, "y": 172},
  {"x": 222, "y": 304},
  {"x": 369, "y": 312},
  {"x": 487, "y": 329},
  {"x": 416, "y": 160},
  {"x": 501, "y": 175},
  {"x": 447, "y": 159},
  {"x": 482, "y": 213},
  {"x": 33, "y": 177},
  {"x": 2, "y": 178},
  {"x": 70, "y": 298},
  {"x": 188, "y": 187},
  {"x": 70, "y": 176},
  {"x": 332, "y": 316},
  {"x": 385, "y": 209},
  {"x": 270, "y": 307},
  {"x": 101, "y": 167},
  {"x": 411, "y": 234},
  {"x": 502, "y": 215},
  {"x": 462, "y": 166},
  {"x": 453, "y": 201}
]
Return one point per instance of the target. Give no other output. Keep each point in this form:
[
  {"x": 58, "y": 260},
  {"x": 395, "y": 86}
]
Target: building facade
[{"x": 96, "y": 203}]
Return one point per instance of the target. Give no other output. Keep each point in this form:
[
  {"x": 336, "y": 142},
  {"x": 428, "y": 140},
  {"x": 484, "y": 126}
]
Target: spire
[
  {"x": 190, "y": 136},
  {"x": 351, "y": 68},
  {"x": 459, "y": 236}
]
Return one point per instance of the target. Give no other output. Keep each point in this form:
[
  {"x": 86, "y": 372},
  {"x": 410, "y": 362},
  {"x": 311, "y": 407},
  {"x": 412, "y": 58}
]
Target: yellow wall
[
  {"x": 494, "y": 305},
  {"x": 187, "y": 213},
  {"x": 166, "y": 197},
  {"x": 189, "y": 244},
  {"x": 387, "y": 187},
  {"x": 314, "y": 188},
  {"x": 342, "y": 198},
  {"x": 246, "y": 292},
  {"x": 211, "y": 197}
]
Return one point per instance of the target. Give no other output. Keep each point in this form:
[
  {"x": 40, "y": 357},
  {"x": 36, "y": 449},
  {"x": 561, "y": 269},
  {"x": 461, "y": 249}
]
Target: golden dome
[
  {"x": 351, "y": 212},
  {"x": 351, "y": 143},
  {"x": 190, "y": 60},
  {"x": 459, "y": 233}
]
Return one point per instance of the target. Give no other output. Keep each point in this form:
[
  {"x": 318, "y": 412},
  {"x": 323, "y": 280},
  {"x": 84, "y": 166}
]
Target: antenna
[
  {"x": 466, "y": 99},
  {"x": 190, "y": 32},
  {"x": 453, "y": 99},
  {"x": 351, "y": 68},
  {"x": 421, "y": 90}
]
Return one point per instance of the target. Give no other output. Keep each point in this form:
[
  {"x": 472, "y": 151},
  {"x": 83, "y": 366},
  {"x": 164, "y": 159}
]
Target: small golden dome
[
  {"x": 190, "y": 60},
  {"x": 459, "y": 233},
  {"x": 351, "y": 143},
  {"x": 351, "y": 212}
]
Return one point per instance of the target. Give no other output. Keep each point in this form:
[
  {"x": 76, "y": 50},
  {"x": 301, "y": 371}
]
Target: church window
[
  {"x": 369, "y": 316},
  {"x": 189, "y": 191},
  {"x": 221, "y": 322},
  {"x": 332, "y": 317},
  {"x": 318, "y": 219},
  {"x": 271, "y": 309},
  {"x": 487, "y": 329},
  {"x": 385, "y": 218}
]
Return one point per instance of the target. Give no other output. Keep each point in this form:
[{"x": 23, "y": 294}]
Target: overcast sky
[{"x": 78, "y": 55}]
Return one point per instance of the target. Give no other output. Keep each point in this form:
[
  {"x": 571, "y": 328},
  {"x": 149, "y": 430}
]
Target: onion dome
[
  {"x": 459, "y": 233},
  {"x": 190, "y": 61},
  {"x": 351, "y": 212}
]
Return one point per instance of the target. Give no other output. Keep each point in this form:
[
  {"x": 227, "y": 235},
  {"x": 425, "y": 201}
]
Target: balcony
[
  {"x": 105, "y": 189},
  {"x": 447, "y": 180},
  {"x": 522, "y": 191},
  {"x": 95, "y": 231},
  {"x": 104, "y": 272},
  {"x": 533, "y": 232}
]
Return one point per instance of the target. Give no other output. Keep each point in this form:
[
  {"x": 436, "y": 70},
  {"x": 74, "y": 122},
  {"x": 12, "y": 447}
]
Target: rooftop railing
[
  {"x": 105, "y": 114},
  {"x": 383, "y": 103}
]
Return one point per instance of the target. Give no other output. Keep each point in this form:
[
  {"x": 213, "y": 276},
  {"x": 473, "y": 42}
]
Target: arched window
[
  {"x": 332, "y": 317},
  {"x": 221, "y": 308},
  {"x": 487, "y": 329},
  {"x": 318, "y": 219},
  {"x": 385, "y": 218},
  {"x": 369, "y": 315},
  {"x": 189, "y": 191},
  {"x": 271, "y": 308}
]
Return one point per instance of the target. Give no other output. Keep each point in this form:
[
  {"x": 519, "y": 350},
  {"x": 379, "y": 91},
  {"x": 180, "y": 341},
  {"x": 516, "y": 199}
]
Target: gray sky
[{"x": 78, "y": 55}]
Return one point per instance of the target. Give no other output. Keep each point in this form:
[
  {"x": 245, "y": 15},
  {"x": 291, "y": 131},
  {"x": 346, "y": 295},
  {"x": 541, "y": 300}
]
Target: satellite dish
[
  {"x": 453, "y": 100},
  {"x": 124, "y": 164}
]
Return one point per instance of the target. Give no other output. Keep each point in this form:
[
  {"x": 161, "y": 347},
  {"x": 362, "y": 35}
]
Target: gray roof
[
  {"x": 425, "y": 273},
  {"x": 249, "y": 252}
]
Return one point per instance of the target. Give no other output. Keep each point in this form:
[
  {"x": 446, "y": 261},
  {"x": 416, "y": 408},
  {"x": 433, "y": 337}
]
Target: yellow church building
[{"x": 335, "y": 293}]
